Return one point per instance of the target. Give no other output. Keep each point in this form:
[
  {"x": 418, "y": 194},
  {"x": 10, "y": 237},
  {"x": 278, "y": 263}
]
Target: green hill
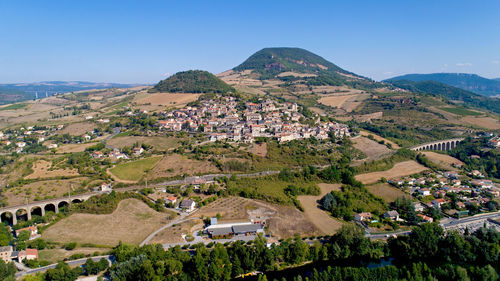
[
  {"x": 192, "y": 81},
  {"x": 450, "y": 93},
  {"x": 469, "y": 82},
  {"x": 270, "y": 62}
]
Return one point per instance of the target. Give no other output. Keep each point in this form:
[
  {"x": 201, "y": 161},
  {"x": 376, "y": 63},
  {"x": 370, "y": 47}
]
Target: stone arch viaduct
[
  {"x": 442, "y": 145},
  {"x": 13, "y": 213}
]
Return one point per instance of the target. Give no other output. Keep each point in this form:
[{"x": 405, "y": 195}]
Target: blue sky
[{"x": 142, "y": 41}]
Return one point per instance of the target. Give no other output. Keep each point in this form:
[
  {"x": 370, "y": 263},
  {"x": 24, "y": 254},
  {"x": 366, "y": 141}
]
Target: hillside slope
[
  {"x": 450, "y": 93},
  {"x": 469, "y": 82}
]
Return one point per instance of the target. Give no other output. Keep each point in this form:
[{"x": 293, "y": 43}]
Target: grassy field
[
  {"x": 42, "y": 169},
  {"x": 321, "y": 219},
  {"x": 399, "y": 170},
  {"x": 40, "y": 190},
  {"x": 14, "y": 106},
  {"x": 461, "y": 111},
  {"x": 442, "y": 160},
  {"x": 379, "y": 138},
  {"x": 386, "y": 192},
  {"x": 270, "y": 189},
  {"x": 176, "y": 164},
  {"x": 372, "y": 149},
  {"x": 55, "y": 255},
  {"x": 158, "y": 143},
  {"x": 134, "y": 170},
  {"x": 131, "y": 222}
]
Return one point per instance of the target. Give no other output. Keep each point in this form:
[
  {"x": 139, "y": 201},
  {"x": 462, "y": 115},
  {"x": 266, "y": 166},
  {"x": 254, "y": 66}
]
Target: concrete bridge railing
[
  {"x": 40, "y": 207},
  {"x": 442, "y": 145}
]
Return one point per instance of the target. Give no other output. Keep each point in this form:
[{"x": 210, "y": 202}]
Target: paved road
[
  {"x": 452, "y": 223},
  {"x": 78, "y": 262},
  {"x": 116, "y": 131},
  {"x": 455, "y": 222},
  {"x": 179, "y": 219}
]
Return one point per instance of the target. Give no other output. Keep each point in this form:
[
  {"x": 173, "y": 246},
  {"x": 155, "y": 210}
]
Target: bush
[{"x": 70, "y": 246}]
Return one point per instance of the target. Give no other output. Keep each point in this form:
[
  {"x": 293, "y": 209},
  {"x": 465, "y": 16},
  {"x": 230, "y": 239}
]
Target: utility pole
[{"x": 69, "y": 193}]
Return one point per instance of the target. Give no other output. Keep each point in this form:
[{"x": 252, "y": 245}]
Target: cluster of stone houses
[
  {"x": 116, "y": 154},
  {"x": 7, "y": 254},
  {"x": 226, "y": 120},
  {"x": 469, "y": 191},
  {"x": 17, "y": 139}
]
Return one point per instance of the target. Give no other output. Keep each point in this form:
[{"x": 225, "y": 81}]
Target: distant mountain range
[
  {"x": 469, "y": 82},
  {"x": 16, "y": 92}
]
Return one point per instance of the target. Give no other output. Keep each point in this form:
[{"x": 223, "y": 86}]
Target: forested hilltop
[{"x": 192, "y": 81}]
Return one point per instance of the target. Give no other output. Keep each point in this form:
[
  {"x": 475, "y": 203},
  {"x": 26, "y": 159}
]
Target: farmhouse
[
  {"x": 425, "y": 218},
  {"x": 424, "y": 192},
  {"x": 393, "y": 215},
  {"x": 188, "y": 205},
  {"x": 28, "y": 254},
  {"x": 33, "y": 230},
  {"x": 362, "y": 217}
]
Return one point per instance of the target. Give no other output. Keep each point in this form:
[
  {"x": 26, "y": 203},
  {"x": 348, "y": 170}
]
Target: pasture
[
  {"x": 131, "y": 222},
  {"x": 400, "y": 169}
]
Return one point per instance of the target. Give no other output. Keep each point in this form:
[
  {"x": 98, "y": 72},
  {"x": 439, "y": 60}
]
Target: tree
[
  {"x": 7, "y": 269},
  {"x": 24, "y": 235}
]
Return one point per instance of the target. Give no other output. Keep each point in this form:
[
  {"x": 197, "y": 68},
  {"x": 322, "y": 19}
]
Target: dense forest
[
  {"x": 426, "y": 254},
  {"x": 192, "y": 81},
  {"x": 488, "y": 161}
]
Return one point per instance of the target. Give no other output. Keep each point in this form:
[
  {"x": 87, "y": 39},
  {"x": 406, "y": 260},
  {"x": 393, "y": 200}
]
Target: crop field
[
  {"x": 42, "y": 169},
  {"x": 131, "y": 222},
  {"x": 74, "y": 147},
  {"x": 386, "y": 191},
  {"x": 14, "y": 106},
  {"x": 321, "y": 219},
  {"x": 176, "y": 164},
  {"x": 77, "y": 129},
  {"x": 443, "y": 160},
  {"x": 41, "y": 190},
  {"x": 158, "y": 143},
  {"x": 400, "y": 169},
  {"x": 134, "y": 170},
  {"x": 461, "y": 111},
  {"x": 167, "y": 99},
  {"x": 372, "y": 149},
  {"x": 336, "y": 100},
  {"x": 484, "y": 122}
]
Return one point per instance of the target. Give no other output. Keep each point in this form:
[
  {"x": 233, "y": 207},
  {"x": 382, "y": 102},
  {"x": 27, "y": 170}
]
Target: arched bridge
[
  {"x": 438, "y": 145},
  {"x": 13, "y": 213}
]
